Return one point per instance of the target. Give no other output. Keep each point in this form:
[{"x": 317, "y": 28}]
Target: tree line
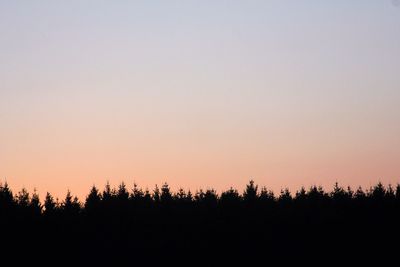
[
  {"x": 161, "y": 223},
  {"x": 121, "y": 196}
]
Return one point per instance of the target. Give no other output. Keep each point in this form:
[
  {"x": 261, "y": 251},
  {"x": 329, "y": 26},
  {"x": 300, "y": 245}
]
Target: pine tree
[
  {"x": 166, "y": 196},
  {"x": 156, "y": 194},
  {"x": 122, "y": 193},
  {"x": 250, "y": 195},
  {"x": 92, "y": 203},
  {"x": 137, "y": 193},
  {"x": 71, "y": 205},
  {"x": 49, "y": 204},
  {"x": 267, "y": 196},
  {"x": 6, "y": 197},
  {"x": 107, "y": 193},
  {"x": 23, "y": 198},
  {"x": 35, "y": 205},
  {"x": 285, "y": 197}
]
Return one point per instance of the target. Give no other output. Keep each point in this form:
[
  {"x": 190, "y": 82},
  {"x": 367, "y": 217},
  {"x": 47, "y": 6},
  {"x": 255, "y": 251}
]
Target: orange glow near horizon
[{"x": 199, "y": 94}]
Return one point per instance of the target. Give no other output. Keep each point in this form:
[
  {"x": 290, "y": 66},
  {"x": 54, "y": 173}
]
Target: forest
[{"x": 122, "y": 226}]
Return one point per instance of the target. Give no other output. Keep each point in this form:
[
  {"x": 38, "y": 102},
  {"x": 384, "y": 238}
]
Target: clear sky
[{"x": 199, "y": 93}]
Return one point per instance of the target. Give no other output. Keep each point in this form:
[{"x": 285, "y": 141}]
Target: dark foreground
[{"x": 120, "y": 227}]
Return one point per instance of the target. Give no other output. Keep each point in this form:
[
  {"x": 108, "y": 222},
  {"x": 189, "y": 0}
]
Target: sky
[{"x": 199, "y": 94}]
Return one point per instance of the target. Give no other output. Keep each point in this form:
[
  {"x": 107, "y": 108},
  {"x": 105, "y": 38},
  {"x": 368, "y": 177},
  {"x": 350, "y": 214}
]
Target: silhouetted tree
[
  {"x": 199, "y": 196},
  {"x": 267, "y": 196},
  {"x": 122, "y": 193},
  {"x": 285, "y": 197},
  {"x": 147, "y": 198},
  {"x": 180, "y": 196},
  {"x": 189, "y": 196},
  {"x": 301, "y": 195},
  {"x": 378, "y": 192},
  {"x": 350, "y": 193},
  {"x": 67, "y": 204},
  {"x": 210, "y": 196},
  {"x": 49, "y": 204},
  {"x": 6, "y": 196},
  {"x": 316, "y": 193},
  {"x": 207, "y": 199},
  {"x": 230, "y": 197},
  {"x": 390, "y": 193},
  {"x": 137, "y": 193},
  {"x": 35, "y": 205},
  {"x": 250, "y": 195},
  {"x": 70, "y": 205},
  {"x": 156, "y": 194},
  {"x": 338, "y": 193},
  {"x": 229, "y": 204},
  {"x": 23, "y": 198},
  {"x": 171, "y": 223},
  {"x": 76, "y": 205},
  {"x": 93, "y": 201},
  {"x": 7, "y": 203},
  {"x": 359, "y": 194},
  {"x": 166, "y": 196},
  {"x": 107, "y": 193}
]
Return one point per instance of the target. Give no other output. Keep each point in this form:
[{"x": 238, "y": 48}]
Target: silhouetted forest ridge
[{"x": 161, "y": 224}]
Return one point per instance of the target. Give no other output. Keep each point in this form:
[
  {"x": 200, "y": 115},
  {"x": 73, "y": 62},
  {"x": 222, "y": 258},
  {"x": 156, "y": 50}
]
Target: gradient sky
[{"x": 199, "y": 93}]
